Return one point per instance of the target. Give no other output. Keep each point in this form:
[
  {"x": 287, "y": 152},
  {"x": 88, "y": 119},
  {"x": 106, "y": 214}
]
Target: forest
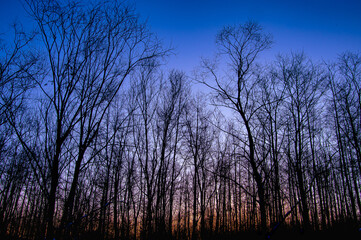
[{"x": 98, "y": 141}]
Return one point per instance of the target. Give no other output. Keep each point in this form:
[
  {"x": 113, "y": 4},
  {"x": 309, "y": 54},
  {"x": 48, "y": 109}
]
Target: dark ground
[{"x": 343, "y": 232}]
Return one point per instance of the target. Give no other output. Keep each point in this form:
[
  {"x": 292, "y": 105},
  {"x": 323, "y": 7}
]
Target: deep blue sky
[{"x": 322, "y": 29}]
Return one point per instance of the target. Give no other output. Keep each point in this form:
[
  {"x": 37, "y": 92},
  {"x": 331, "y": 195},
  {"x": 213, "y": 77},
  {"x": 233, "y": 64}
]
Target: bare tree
[
  {"x": 350, "y": 70},
  {"x": 304, "y": 85},
  {"x": 345, "y": 94},
  {"x": 146, "y": 135},
  {"x": 17, "y": 71},
  {"x": 271, "y": 128},
  {"x": 198, "y": 137},
  {"x": 170, "y": 107},
  {"x": 241, "y": 45},
  {"x": 89, "y": 53},
  {"x": 80, "y": 159}
]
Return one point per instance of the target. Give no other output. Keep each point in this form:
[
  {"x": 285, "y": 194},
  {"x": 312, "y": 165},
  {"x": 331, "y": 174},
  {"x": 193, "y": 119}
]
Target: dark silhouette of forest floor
[{"x": 339, "y": 231}]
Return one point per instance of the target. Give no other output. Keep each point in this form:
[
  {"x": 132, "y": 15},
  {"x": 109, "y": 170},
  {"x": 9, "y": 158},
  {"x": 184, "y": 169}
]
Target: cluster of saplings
[{"x": 98, "y": 142}]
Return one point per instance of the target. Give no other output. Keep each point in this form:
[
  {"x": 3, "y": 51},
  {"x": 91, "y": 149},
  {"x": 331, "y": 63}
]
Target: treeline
[{"x": 97, "y": 142}]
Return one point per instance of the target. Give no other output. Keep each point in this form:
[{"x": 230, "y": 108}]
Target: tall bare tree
[
  {"x": 241, "y": 45},
  {"x": 89, "y": 52},
  {"x": 304, "y": 85},
  {"x": 170, "y": 107},
  {"x": 198, "y": 137}
]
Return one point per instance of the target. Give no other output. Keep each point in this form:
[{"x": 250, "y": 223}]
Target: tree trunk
[
  {"x": 52, "y": 195},
  {"x": 257, "y": 177}
]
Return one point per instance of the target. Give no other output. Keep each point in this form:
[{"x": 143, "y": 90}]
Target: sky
[{"x": 322, "y": 29}]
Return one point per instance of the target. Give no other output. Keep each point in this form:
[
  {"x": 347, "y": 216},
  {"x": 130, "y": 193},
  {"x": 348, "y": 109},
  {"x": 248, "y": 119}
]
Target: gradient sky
[{"x": 320, "y": 28}]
